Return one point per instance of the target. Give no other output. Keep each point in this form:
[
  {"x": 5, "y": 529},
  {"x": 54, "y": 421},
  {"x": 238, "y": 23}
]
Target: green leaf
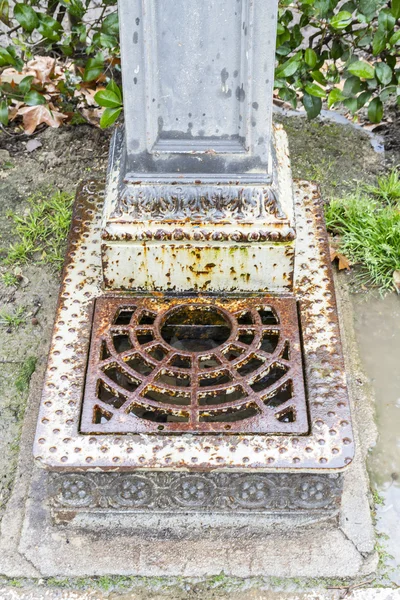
[
  {"x": 318, "y": 77},
  {"x": 279, "y": 83},
  {"x": 368, "y": 8},
  {"x": 363, "y": 98},
  {"x": 372, "y": 84},
  {"x": 107, "y": 98},
  {"x": 310, "y": 57},
  {"x": 383, "y": 72},
  {"x": 396, "y": 9},
  {"x": 337, "y": 49},
  {"x": 395, "y": 39},
  {"x": 109, "y": 116},
  {"x": 94, "y": 68},
  {"x": 5, "y": 58},
  {"x": 386, "y": 20},
  {"x": 5, "y": 12},
  {"x": 375, "y": 110},
  {"x": 352, "y": 86},
  {"x": 113, "y": 87},
  {"x": 288, "y": 68},
  {"x": 313, "y": 105},
  {"x": 349, "y": 6},
  {"x": 379, "y": 42},
  {"x": 4, "y": 113},
  {"x": 288, "y": 95},
  {"x": 335, "y": 95},
  {"x": 351, "y": 104},
  {"x": 314, "y": 90},
  {"x": 33, "y": 98},
  {"x": 385, "y": 94},
  {"x": 322, "y": 7},
  {"x": 104, "y": 40},
  {"x": 110, "y": 25},
  {"x": 25, "y": 84},
  {"x": 75, "y": 8},
  {"x": 283, "y": 50},
  {"x": 49, "y": 28},
  {"x": 26, "y": 17},
  {"x": 341, "y": 20},
  {"x": 362, "y": 69}
]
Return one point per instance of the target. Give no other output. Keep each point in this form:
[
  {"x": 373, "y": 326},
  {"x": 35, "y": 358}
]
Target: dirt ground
[{"x": 64, "y": 157}]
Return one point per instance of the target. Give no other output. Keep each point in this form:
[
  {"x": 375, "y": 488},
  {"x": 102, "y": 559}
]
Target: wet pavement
[{"x": 377, "y": 322}]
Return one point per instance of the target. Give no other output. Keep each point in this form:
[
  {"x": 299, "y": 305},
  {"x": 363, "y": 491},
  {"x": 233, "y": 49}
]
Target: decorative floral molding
[
  {"x": 198, "y": 203},
  {"x": 172, "y": 491}
]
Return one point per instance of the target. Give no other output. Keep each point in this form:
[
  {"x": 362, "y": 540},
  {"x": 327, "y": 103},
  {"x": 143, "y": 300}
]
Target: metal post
[{"x": 198, "y": 164}]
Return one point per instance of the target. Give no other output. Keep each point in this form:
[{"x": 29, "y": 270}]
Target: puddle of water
[{"x": 377, "y": 322}]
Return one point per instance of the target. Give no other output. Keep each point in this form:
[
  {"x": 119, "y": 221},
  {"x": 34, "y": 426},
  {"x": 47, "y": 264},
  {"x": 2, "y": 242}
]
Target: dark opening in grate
[
  {"x": 195, "y": 366},
  {"x": 195, "y": 329}
]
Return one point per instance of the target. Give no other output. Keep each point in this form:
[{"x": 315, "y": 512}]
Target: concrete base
[
  {"x": 118, "y": 544},
  {"x": 31, "y": 546},
  {"x": 344, "y": 550},
  {"x": 314, "y": 551}
]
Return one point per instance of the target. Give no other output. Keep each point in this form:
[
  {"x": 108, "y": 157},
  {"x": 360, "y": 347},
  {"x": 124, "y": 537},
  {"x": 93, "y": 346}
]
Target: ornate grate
[{"x": 194, "y": 365}]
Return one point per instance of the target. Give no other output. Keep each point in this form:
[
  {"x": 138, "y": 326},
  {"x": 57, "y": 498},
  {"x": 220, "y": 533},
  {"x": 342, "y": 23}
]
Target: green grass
[
  {"x": 387, "y": 188},
  {"x": 25, "y": 373},
  {"x": 14, "y": 319},
  {"x": 367, "y": 224},
  {"x": 42, "y": 230},
  {"x": 9, "y": 279}
]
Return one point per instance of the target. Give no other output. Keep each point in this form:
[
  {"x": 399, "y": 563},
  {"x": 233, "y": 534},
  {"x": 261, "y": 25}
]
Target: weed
[
  {"x": 13, "y": 319},
  {"x": 19, "y": 253},
  {"x": 324, "y": 171},
  {"x": 7, "y": 165},
  {"x": 369, "y": 231},
  {"x": 387, "y": 187},
  {"x": 377, "y": 498},
  {"x": 43, "y": 230},
  {"x": 9, "y": 279},
  {"x": 25, "y": 373},
  {"x": 59, "y": 583},
  {"x": 383, "y": 555},
  {"x": 16, "y": 583}
]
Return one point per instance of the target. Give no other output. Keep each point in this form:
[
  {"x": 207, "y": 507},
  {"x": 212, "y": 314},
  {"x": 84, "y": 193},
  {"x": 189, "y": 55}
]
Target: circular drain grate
[{"x": 195, "y": 366}]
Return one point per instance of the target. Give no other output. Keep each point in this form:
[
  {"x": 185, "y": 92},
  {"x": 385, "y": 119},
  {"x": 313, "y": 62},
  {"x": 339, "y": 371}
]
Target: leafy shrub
[{"x": 344, "y": 53}]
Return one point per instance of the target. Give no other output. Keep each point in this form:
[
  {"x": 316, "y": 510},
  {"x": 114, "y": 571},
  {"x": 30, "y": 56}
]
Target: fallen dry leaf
[
  {"x": 92, "y": 115},
  {"x": 88, "y": 95},
  {"x": 32, "y": 116},
  {"x": 43, "y": 66},
  {"x": 343, "y": 262}
]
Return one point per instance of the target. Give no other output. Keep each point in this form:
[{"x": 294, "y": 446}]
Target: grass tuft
[
  {"x": 43, "y": 230},
  {"x": 387, "y": 187},
  {"x": 25, "y": 373},
  {"x": 15, "y": 319},
  {"x": 368, "y": 227},
  {"x": 9, "y": 279}
]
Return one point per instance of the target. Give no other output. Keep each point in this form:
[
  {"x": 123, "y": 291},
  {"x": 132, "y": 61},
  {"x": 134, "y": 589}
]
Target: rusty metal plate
[
  {"x": 329, "y": 444},
  {"x": 195, "y": 365}
]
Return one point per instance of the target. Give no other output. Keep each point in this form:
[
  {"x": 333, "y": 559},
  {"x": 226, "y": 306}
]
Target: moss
[{"x": 336, "y": 156}]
